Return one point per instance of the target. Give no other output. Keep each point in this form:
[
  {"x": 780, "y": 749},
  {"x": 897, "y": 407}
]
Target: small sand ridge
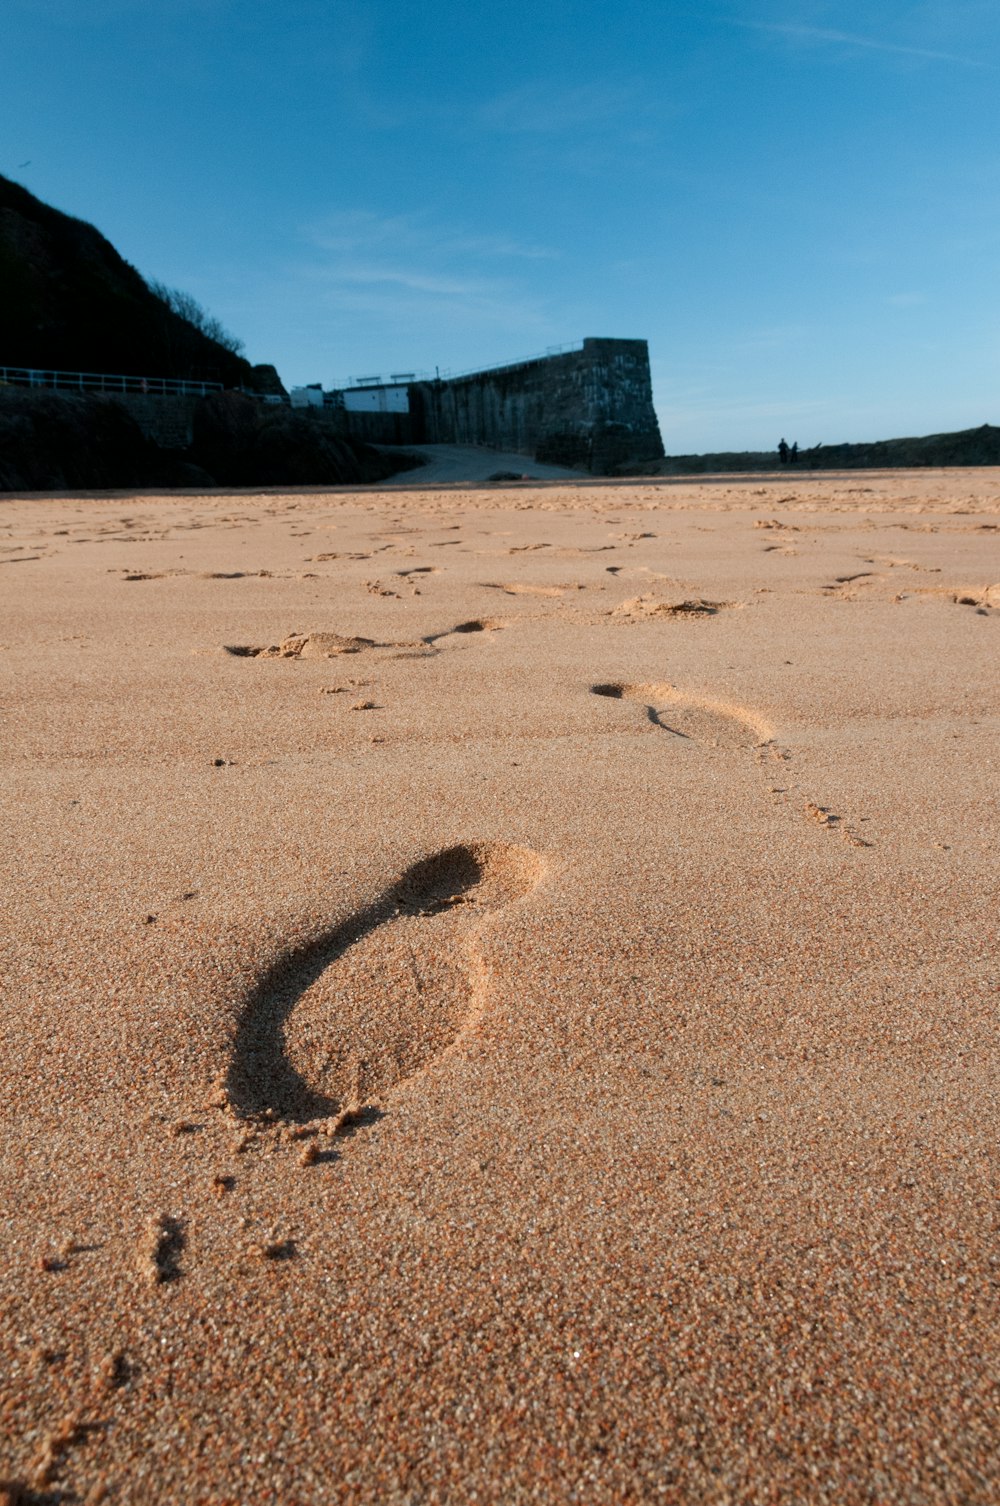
[
  {"x": 302, "y": 646},
  {"x": 639, "y": 608}
]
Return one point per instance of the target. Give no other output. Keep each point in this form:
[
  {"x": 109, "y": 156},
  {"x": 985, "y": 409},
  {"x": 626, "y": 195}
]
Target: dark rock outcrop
[
  {"x": 54, "y": 443},
  {"x": 51, "y": 442},
  {"x": 69, "y": 302},
  {"x": 265, "y": 379},
  {"x": 242, "y": 442}
]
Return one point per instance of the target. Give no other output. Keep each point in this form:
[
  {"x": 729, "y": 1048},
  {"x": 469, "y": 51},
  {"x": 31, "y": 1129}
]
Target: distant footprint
[
  {"x": 474, "y": 625},
  {"x": 370, "y": 1003},
  {"x": 699, "y": 718},
  {"x": 304, "y": 646},
  {"x": 721, "y": 724},
  {"x": 846, "y": 587}
]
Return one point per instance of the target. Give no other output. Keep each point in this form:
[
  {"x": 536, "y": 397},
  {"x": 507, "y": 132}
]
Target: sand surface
[{"x": 499, "y": 994}]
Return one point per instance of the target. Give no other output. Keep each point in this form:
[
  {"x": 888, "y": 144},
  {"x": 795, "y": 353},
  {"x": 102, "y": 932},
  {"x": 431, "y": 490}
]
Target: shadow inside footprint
[
  {"x": 474, "y": 625},
  {"x": 619, "y": 693},
  {"x": 372, "y": 1001}
]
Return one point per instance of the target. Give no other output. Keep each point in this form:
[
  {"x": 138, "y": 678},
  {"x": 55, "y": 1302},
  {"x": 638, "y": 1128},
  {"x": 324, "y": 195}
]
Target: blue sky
[{"x": 796, "y": 202}]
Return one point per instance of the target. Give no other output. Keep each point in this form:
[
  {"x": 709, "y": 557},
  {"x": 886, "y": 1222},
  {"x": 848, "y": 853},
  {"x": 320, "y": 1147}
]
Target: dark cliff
[{"x": 69, "y": 302}]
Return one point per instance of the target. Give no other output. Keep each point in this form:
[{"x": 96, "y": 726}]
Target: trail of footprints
[
  {"x": 710, "y": 722},
  {"x": 336, "y": 1025}
]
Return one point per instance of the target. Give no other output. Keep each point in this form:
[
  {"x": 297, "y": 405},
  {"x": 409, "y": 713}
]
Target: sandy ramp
[{"x": 446, "y": 464}]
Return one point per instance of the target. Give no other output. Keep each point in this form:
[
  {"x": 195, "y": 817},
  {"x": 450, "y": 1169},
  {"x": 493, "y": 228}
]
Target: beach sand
[{"x": 499, "y": 993}]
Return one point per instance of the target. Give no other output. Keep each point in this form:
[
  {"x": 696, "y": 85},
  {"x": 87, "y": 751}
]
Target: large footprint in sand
[
  {"x": 373, "y": 1001},
  {"x": 718, "y": 724}
]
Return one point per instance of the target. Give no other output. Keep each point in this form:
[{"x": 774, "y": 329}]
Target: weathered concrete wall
[
  {"x": 589, "y": 408},
  {"x": 376, "y": 428}
]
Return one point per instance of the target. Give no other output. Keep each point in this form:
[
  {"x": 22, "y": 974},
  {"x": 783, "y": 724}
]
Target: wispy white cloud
[
  {"x": 397, "y": 313},
  {"x": 501, "y": 245},
  {"x": 362, "y": 231},
  {"x": 822, "y": 35},
  {"x": 413, "y": 279},
  {"x": 540, "y": 107},
  {"x": 408, "y": 271},
  {"x": 411, "y": 293}
]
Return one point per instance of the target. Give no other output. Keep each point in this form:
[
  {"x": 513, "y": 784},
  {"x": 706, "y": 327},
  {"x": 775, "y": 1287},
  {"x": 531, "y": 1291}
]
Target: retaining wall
[{"x": 165, "y": 420}]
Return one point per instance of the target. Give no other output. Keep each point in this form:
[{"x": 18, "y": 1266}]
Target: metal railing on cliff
[{"x": 103, "y": 382}]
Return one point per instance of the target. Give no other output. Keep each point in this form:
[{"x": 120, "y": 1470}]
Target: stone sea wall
[{"x": 590, "y": 408}]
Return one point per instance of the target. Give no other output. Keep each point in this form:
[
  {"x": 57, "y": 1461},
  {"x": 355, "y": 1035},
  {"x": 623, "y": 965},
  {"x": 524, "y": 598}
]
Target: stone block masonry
[
  {"x": 590, "y": 408},
  {"x": 167, "y": 421}
]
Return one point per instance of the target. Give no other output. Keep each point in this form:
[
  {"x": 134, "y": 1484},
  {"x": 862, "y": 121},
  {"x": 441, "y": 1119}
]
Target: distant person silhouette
[
  {"x": 793, "y": 453},
  {"x": 783, "y": 452}
]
